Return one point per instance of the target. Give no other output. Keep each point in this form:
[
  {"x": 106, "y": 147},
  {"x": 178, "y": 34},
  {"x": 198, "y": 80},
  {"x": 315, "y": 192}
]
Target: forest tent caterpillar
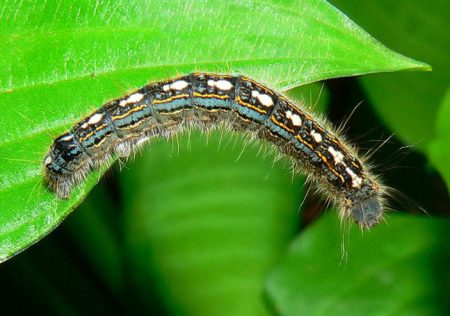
[{"x": 206, "y": 100}]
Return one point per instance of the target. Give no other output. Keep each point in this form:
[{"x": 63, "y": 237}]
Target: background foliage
[{"x": 200, "y": 225}]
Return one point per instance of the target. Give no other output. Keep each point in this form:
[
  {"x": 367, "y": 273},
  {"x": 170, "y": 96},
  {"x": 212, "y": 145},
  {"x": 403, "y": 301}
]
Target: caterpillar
[{"x": 207, "y": 100}]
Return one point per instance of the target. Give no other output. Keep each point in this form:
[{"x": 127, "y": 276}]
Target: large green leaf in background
[
  {"x": 61, "y": 59},
  {"x": 204, "y": 228},
  {"x": 388, "y": 271},
  {"x": 421, "y": 29},
  {"x": 439, "y": 149}
]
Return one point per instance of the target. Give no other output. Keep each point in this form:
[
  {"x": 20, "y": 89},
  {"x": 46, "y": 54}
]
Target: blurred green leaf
[
  {"x": 395, "y": 269},
  {"x": 407, "y": 102},
  {"x": 61, "y": 59},
  {"x": 204, "y": 227},
  {"x": 439, "y": 150}
]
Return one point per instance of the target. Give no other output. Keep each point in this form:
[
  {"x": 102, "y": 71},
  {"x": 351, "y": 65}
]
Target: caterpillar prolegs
[{"x": 206, "y": 100}]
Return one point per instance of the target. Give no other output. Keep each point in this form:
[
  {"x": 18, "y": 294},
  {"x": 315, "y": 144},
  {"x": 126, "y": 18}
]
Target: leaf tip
[{"x": 415, "y": 65}]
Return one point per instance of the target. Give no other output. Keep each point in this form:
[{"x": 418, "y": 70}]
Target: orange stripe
[{"x": 251, "y": 106}]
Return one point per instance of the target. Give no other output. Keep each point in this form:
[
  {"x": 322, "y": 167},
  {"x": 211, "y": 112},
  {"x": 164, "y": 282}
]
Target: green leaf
[
  {"x": 204, "y": 227},
  {"x": 439, "y": 149},
  {"x": 395, "y": 269},
  {"x": 407, "y": 102},
  {"x": 62, "y": 59}
]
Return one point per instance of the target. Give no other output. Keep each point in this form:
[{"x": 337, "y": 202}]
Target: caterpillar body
[{"x": 207, "y": 100}]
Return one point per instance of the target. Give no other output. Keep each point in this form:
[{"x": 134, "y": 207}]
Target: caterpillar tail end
[{"x": 368, "y": 212}]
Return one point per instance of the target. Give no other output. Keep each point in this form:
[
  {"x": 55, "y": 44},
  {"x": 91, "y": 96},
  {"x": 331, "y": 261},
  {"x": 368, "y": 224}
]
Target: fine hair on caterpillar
[{"x": 205, "y": 101}]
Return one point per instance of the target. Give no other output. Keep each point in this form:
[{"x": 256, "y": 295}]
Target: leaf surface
[
  {"x": 395, "y": 269},
  {"x": 59, "y": 60}
]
